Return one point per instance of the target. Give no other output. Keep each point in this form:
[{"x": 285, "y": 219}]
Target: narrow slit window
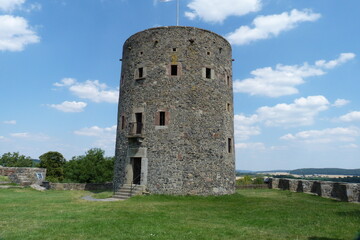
[
  {"x": 228, "y": 80},
  {"x": 228, "y": 107},
  {"x": 174, "y": 70},
  {"x": 141, "y": 72},
  {"x": 122, "y": 122},
  {"x": 122, "y": 79},
  {"x": 229, "y": 145},
  {"x": 208, "y": 73},
  {"x": 162, "y": 118}
]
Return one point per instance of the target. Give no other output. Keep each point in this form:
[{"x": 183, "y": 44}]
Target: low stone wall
[
  {"x": 252, "y": 186},
  {"x": 24, "y": 176},
  {"x": 82, "y": 186},
  {"x": 348, "y": 192}
]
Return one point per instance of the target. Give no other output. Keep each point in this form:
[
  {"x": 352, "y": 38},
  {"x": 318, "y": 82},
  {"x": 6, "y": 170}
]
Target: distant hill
[
  {"x": 326, "y": 171},
  {"x": 274, "y": 171},
  {"x": 244, "y": 171}
]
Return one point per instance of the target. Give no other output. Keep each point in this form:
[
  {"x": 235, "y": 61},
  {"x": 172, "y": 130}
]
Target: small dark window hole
[
  {"x": 162, "y": 119},
  {"x": 208, "y": 73},
  {"x": 141, "y": 72},
  {"x": 174, "y": 70},
  {"x": 174, "y": 49}
]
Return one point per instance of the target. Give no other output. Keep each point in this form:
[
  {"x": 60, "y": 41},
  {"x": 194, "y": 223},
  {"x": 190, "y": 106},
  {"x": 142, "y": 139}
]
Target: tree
[
  {"x": 15, "y": 160},
  {"x": 93, "y": 167},
  {"x": 54, "y": 163}
]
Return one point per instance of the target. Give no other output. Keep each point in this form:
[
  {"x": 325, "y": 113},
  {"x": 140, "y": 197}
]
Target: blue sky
[{"x": 296, "y": 75}]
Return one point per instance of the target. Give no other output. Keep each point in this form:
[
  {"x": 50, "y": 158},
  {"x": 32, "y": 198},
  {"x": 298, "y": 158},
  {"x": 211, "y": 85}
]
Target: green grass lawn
[{"x": 249, "y": 214}]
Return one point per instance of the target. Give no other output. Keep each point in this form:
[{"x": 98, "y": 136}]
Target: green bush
[
  {"x": 93, "y": 167},
  {"x": 54, "y": 163},
  {"x": 15, "y": 160},
  {"x": 258, "y": 180},
  {"x": 246, "y": 180}
]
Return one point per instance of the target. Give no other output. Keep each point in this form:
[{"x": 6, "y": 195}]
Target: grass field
[{"x": 249, "y": 214}]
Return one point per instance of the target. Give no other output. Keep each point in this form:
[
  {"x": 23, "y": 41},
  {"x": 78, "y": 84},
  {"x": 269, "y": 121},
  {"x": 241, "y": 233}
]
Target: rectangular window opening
[
  {"x": 162, "y": 118},
  {"x": 139, "y": 125},
  {"x": 174, "y": 49},
  {"x": 141, "y": 72},
  {"x": 228, "y": 107},
  {"x": 174, "y": 70},
  {"x": 208, "y": 73},
  {"x": 229, "y": 145},
  {"x": 228, "y": 80}
]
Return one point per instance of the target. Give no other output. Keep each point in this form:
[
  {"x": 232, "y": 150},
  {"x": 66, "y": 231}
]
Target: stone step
[{"x": 128, "y": 190}]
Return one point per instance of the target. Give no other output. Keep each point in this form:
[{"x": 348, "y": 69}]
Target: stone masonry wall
[
  {"x": 348, "y": 192},
  {"x": 190, "y": 153},
  {"x": 82, "y": 186},
  {"x": 24, "y": 176}
]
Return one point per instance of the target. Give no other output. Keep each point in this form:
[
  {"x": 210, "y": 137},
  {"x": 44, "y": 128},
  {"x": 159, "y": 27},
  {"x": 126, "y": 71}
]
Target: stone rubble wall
[
  {"x": 348, "y": 192},
  {"x": 81, "y": 186},
  {"x": 23, "y": 175}
]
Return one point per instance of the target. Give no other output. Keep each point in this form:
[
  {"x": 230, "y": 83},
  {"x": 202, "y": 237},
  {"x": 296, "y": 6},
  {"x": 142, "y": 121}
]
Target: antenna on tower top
[
  {"x": 177, "y": 12},
  {"x": 177, "y": 9}
]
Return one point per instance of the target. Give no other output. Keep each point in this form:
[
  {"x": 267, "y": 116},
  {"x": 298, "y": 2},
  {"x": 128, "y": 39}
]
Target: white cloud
[
  {"x": 15, "y": 33},
  {"x": 30, "y": 136},
  {"x": 351, "y": 117},
  {"x": 69, "y": 106},
  {"x": 20, "y": 135},
  {"x": 11, "y": 122},
  {"x": 325, "y": 136},
  {"x": 90, "y": 89},
  {"x": 32, "y": 7},
  {"x": 10, "y": 5},
  {"x": 250, "y": 145},
  {"x": 270, "y": 26},
  {"x": 350, "y": 146},
  {"x": 105, "y": 137},
  {"x": 216, "y": 11},
  {"x": 341, "y": 102},
  {"x": 242, "y": 129},
  {"x": 96, "y": 131},
  {"x": 65, "y": 82},
  {"x": 282, "y": 80},
  {"x": 300, "y": 113},
  {"x": 344, "y": 57}
]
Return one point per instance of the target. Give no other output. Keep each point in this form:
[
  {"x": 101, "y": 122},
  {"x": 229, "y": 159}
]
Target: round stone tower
[{"x": 175, "y": 130}]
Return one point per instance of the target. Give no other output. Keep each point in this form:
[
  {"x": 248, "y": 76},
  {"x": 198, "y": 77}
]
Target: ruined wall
[
  {"x": 24, "y": 176},
  {"x": 349, "y": 192},
  {"x": 193, "y": 151}
]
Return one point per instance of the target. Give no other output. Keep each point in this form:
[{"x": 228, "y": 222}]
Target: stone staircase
[{"x": 127, "y": 191}]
